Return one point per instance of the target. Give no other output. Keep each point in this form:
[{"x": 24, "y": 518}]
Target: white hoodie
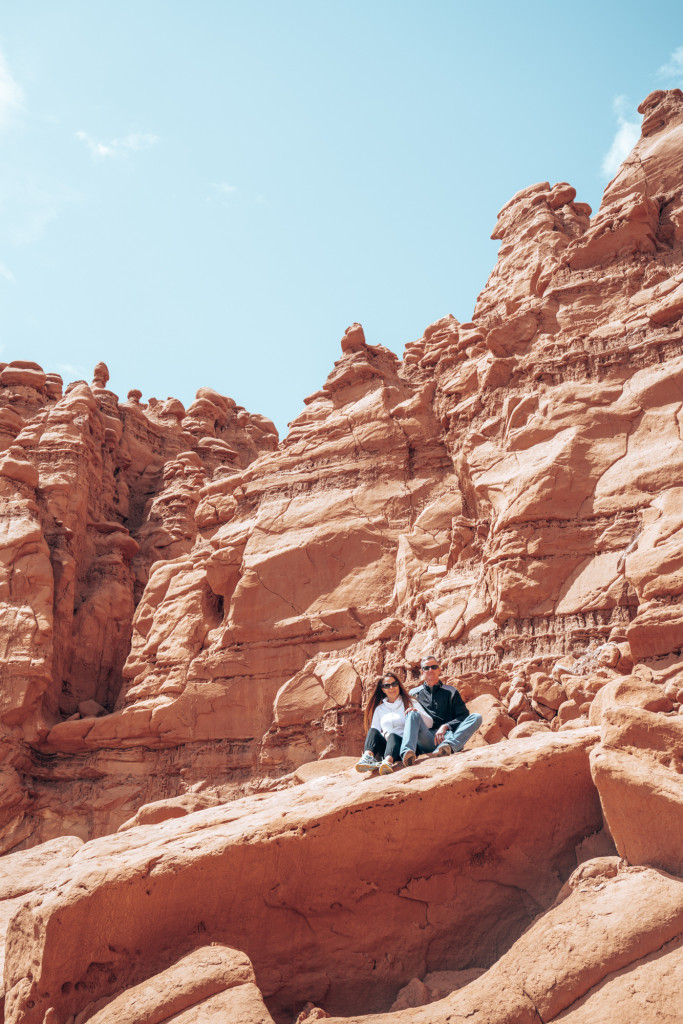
[{"x": 390, "y": 716}]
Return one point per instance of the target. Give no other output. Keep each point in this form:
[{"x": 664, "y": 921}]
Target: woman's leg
[
  {"x": 393, "y": 747},
  {"x": 373, "y": 752},
  {"x": 391, "y": 754},
  {"x": 375, "y": 743}
]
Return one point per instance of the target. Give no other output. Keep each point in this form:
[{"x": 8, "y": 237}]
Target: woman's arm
[
  {"x": 376, "y": 722},
  {"x": 427, "y": 719}
]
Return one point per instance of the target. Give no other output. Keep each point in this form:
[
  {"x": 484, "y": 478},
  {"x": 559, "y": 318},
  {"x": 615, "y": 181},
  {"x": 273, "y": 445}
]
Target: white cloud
[
  {"x": 11, "y": 94},
  {"x": 76, "y": 372},
  {"x": 7, "y": 274},
  {"x": 626, "y": 136},
  {"x": 139, "y": 140},
  {"x": 96, "y": 148},
  {"x": 223, "y": 188},
  {"x": 118, "y": 147},
  {"x": 672, "y": 71},
  {"x": 226, "y": 194}
]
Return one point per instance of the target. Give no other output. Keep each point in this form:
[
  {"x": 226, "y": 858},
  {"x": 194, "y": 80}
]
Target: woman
[{"x": 385, "y": 717}]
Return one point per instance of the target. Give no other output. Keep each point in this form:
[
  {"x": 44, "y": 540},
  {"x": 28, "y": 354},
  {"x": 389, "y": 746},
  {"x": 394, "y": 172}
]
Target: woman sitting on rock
[{"x": 385, "y": 718}]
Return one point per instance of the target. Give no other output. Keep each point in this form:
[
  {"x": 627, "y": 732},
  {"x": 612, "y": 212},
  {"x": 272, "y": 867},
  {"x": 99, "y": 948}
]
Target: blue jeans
[{"x": 419, "y": 738}]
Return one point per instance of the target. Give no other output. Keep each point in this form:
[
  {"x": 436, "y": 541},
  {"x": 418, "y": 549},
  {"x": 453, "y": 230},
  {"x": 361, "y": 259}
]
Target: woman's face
[{"x": 390, "y": 687}]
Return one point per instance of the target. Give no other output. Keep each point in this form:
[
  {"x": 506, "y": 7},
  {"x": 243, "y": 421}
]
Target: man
[{"x": 453, "y": 724}]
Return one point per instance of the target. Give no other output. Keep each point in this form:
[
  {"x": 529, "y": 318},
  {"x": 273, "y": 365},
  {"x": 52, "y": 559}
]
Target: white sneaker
[
  {"x": 367, "y": 763},
  {"x": 386, "y": 767}
]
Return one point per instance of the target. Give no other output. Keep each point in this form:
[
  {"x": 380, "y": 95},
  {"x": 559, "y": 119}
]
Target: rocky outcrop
[
  {"x": 92, "y": 493},
  {"x": 212, "y": 983},
  {"x": 313, "y": 882},
  {"x": 584, "y": 960},
  {"x": 638, "y": 770},
  {"x": 506, "y": 496},
  {"x": 194, "y": 614}
]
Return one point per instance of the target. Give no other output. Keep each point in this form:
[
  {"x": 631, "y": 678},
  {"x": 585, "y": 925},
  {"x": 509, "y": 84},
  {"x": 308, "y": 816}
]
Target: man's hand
[{"x": 440, "y": 733}]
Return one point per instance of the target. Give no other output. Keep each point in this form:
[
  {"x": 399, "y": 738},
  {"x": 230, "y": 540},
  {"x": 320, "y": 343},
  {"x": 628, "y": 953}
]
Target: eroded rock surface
[
  {"x": 506, "y": 495},
  {"x": 193, "y": 615},
  {"x": 591, "y": 950},
  {"x": 92, "y": 493},
  {"x": 314, "y": 883}
]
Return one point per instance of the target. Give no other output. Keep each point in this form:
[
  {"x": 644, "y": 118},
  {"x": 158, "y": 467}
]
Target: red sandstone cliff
[{"x": 192, "y": 613}]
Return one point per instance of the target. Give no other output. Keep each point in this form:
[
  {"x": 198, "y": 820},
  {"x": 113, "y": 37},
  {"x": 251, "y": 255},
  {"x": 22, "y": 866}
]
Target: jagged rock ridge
[{"x": 508, "y": 496}]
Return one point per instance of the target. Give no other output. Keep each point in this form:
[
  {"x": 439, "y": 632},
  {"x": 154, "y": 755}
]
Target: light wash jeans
[{"x": 419, "y": 738}]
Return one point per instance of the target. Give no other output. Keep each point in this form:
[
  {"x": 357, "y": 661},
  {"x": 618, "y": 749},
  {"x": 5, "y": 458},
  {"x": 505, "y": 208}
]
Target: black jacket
[{"x": 442, "y": 702}]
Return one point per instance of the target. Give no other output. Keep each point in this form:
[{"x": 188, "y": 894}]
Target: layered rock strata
[
  {"x": 92, "y": 494},
  {"x": 194, "y": 614},
  {"x": 507, "y": 496}
]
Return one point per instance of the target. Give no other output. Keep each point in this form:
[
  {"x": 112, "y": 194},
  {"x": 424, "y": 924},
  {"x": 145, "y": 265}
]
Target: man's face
[{"x": 430, "y": 671}]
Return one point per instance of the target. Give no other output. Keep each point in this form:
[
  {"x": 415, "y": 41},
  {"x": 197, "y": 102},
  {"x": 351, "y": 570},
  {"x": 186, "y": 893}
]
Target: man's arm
[{"x": 457, "y": 712}]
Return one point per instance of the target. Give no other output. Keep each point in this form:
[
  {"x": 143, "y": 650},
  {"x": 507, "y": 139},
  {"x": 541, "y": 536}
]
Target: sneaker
[
  {"x": 443, "y": 750},
  {"x": 409, "y": 758},
  {"x": 386, "y": 767},
  {"x": 367, "y": 763}
]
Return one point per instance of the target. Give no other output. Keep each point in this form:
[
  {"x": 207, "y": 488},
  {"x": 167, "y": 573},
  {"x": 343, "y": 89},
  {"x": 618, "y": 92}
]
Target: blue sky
[{"x": 208, "y": 194}]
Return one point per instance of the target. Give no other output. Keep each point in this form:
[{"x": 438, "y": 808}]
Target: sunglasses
[
  {"x": 429, "y": 668},
  {"x": 389, "y": 686}
]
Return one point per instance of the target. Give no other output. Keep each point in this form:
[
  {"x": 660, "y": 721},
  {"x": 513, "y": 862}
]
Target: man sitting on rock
[{"x": 453, "y": 724}]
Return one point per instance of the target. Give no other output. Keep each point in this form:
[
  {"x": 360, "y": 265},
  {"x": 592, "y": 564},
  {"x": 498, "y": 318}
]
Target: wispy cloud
[
  {"x": 627, "y": 134},
  {"x": 223, "y": 188},
  {"x": 225, "y": 194},
  {"x": 11, "y": 93},
  {"x": 117, "y": 147},
  {"x": 671, "y": 73},
  {"x": 75, "y": 372},
  {"x": 7, "y": 274}
]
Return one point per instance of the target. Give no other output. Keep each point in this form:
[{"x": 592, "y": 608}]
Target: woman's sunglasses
[{"x": 389, "y": 686}]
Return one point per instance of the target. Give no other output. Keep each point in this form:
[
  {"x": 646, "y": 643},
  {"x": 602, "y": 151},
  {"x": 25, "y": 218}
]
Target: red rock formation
[
  {"x": 430, "y": 856},
  {"x": 594, "y": 949},
  {"x": 193, "y": 614},
  {"x": 516, "y": 518},
  {"x": 91, "y": 494}
]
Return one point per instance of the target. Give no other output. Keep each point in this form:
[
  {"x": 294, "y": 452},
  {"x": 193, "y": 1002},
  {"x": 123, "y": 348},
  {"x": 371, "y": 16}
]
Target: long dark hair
[{"x": 378, "y": 696}]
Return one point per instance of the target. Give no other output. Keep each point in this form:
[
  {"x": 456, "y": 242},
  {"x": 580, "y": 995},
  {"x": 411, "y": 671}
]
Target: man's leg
[
  {"x": 458, "y": 737},
  {"x": 416, "y": 736},
  {"x": 410, "y": 731},
  {"x": 425, "y": 739}
]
